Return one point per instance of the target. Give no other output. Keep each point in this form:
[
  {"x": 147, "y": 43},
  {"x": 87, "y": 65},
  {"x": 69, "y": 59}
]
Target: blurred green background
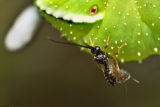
[{"x": 53, "y": 75}]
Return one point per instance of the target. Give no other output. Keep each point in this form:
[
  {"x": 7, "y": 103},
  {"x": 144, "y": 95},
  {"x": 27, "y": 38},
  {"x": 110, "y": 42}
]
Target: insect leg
[
  {"x": 117, "y": 68},
  {"x": 107, "y": 42},
  {"x": 119, "y": 48},
  {"x": 116, "y": 65},
  {"x": 91, "y": 43}
]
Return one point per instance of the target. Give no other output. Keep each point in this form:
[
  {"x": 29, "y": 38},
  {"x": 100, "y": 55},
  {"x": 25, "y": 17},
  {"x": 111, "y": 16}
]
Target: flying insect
[{"x": 112, "y": 73}]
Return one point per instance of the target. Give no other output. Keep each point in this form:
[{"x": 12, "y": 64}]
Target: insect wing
[{"x": 123, "y": 76}]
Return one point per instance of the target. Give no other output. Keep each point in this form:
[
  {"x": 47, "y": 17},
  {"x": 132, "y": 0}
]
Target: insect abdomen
[
  {"x": 110, "y": 79},
  {"x": 109, "y": 76}
]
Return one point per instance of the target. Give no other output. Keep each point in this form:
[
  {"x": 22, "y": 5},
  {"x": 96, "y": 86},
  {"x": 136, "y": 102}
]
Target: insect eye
[{"x": 95, "y": 50}]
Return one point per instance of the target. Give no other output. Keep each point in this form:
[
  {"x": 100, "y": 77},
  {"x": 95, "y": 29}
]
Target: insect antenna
[{"x": 72, "y": 44}]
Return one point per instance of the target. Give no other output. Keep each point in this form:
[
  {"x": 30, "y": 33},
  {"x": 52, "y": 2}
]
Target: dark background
[{"x": 47, "y": 74}]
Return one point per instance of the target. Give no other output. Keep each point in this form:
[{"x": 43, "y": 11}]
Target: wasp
[{"x": 112, "y": 73}]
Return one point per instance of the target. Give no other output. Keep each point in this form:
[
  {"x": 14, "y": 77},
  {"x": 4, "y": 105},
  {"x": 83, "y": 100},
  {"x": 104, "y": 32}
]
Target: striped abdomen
[{"x": 109, "y": 75}]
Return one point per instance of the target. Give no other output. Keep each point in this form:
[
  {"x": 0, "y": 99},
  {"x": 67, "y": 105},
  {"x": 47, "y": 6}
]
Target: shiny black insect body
[
  {"x": 111, "y": 69},
  {"x": 103, "y": 58}
]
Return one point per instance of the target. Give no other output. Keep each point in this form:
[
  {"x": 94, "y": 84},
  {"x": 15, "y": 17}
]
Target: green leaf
[
  {"x": 77, "y": 11},
  {"x": 136, "y": 23}
]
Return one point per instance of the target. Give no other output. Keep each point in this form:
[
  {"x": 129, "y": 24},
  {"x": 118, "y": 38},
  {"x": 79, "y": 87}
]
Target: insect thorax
[{"x": 100, "y": 58}]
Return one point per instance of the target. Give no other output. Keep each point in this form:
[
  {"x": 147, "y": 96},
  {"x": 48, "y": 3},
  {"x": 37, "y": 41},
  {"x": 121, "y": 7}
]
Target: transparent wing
[
  {"x": 121, "y": 75},
  {"x": 124, "y": 76}
]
